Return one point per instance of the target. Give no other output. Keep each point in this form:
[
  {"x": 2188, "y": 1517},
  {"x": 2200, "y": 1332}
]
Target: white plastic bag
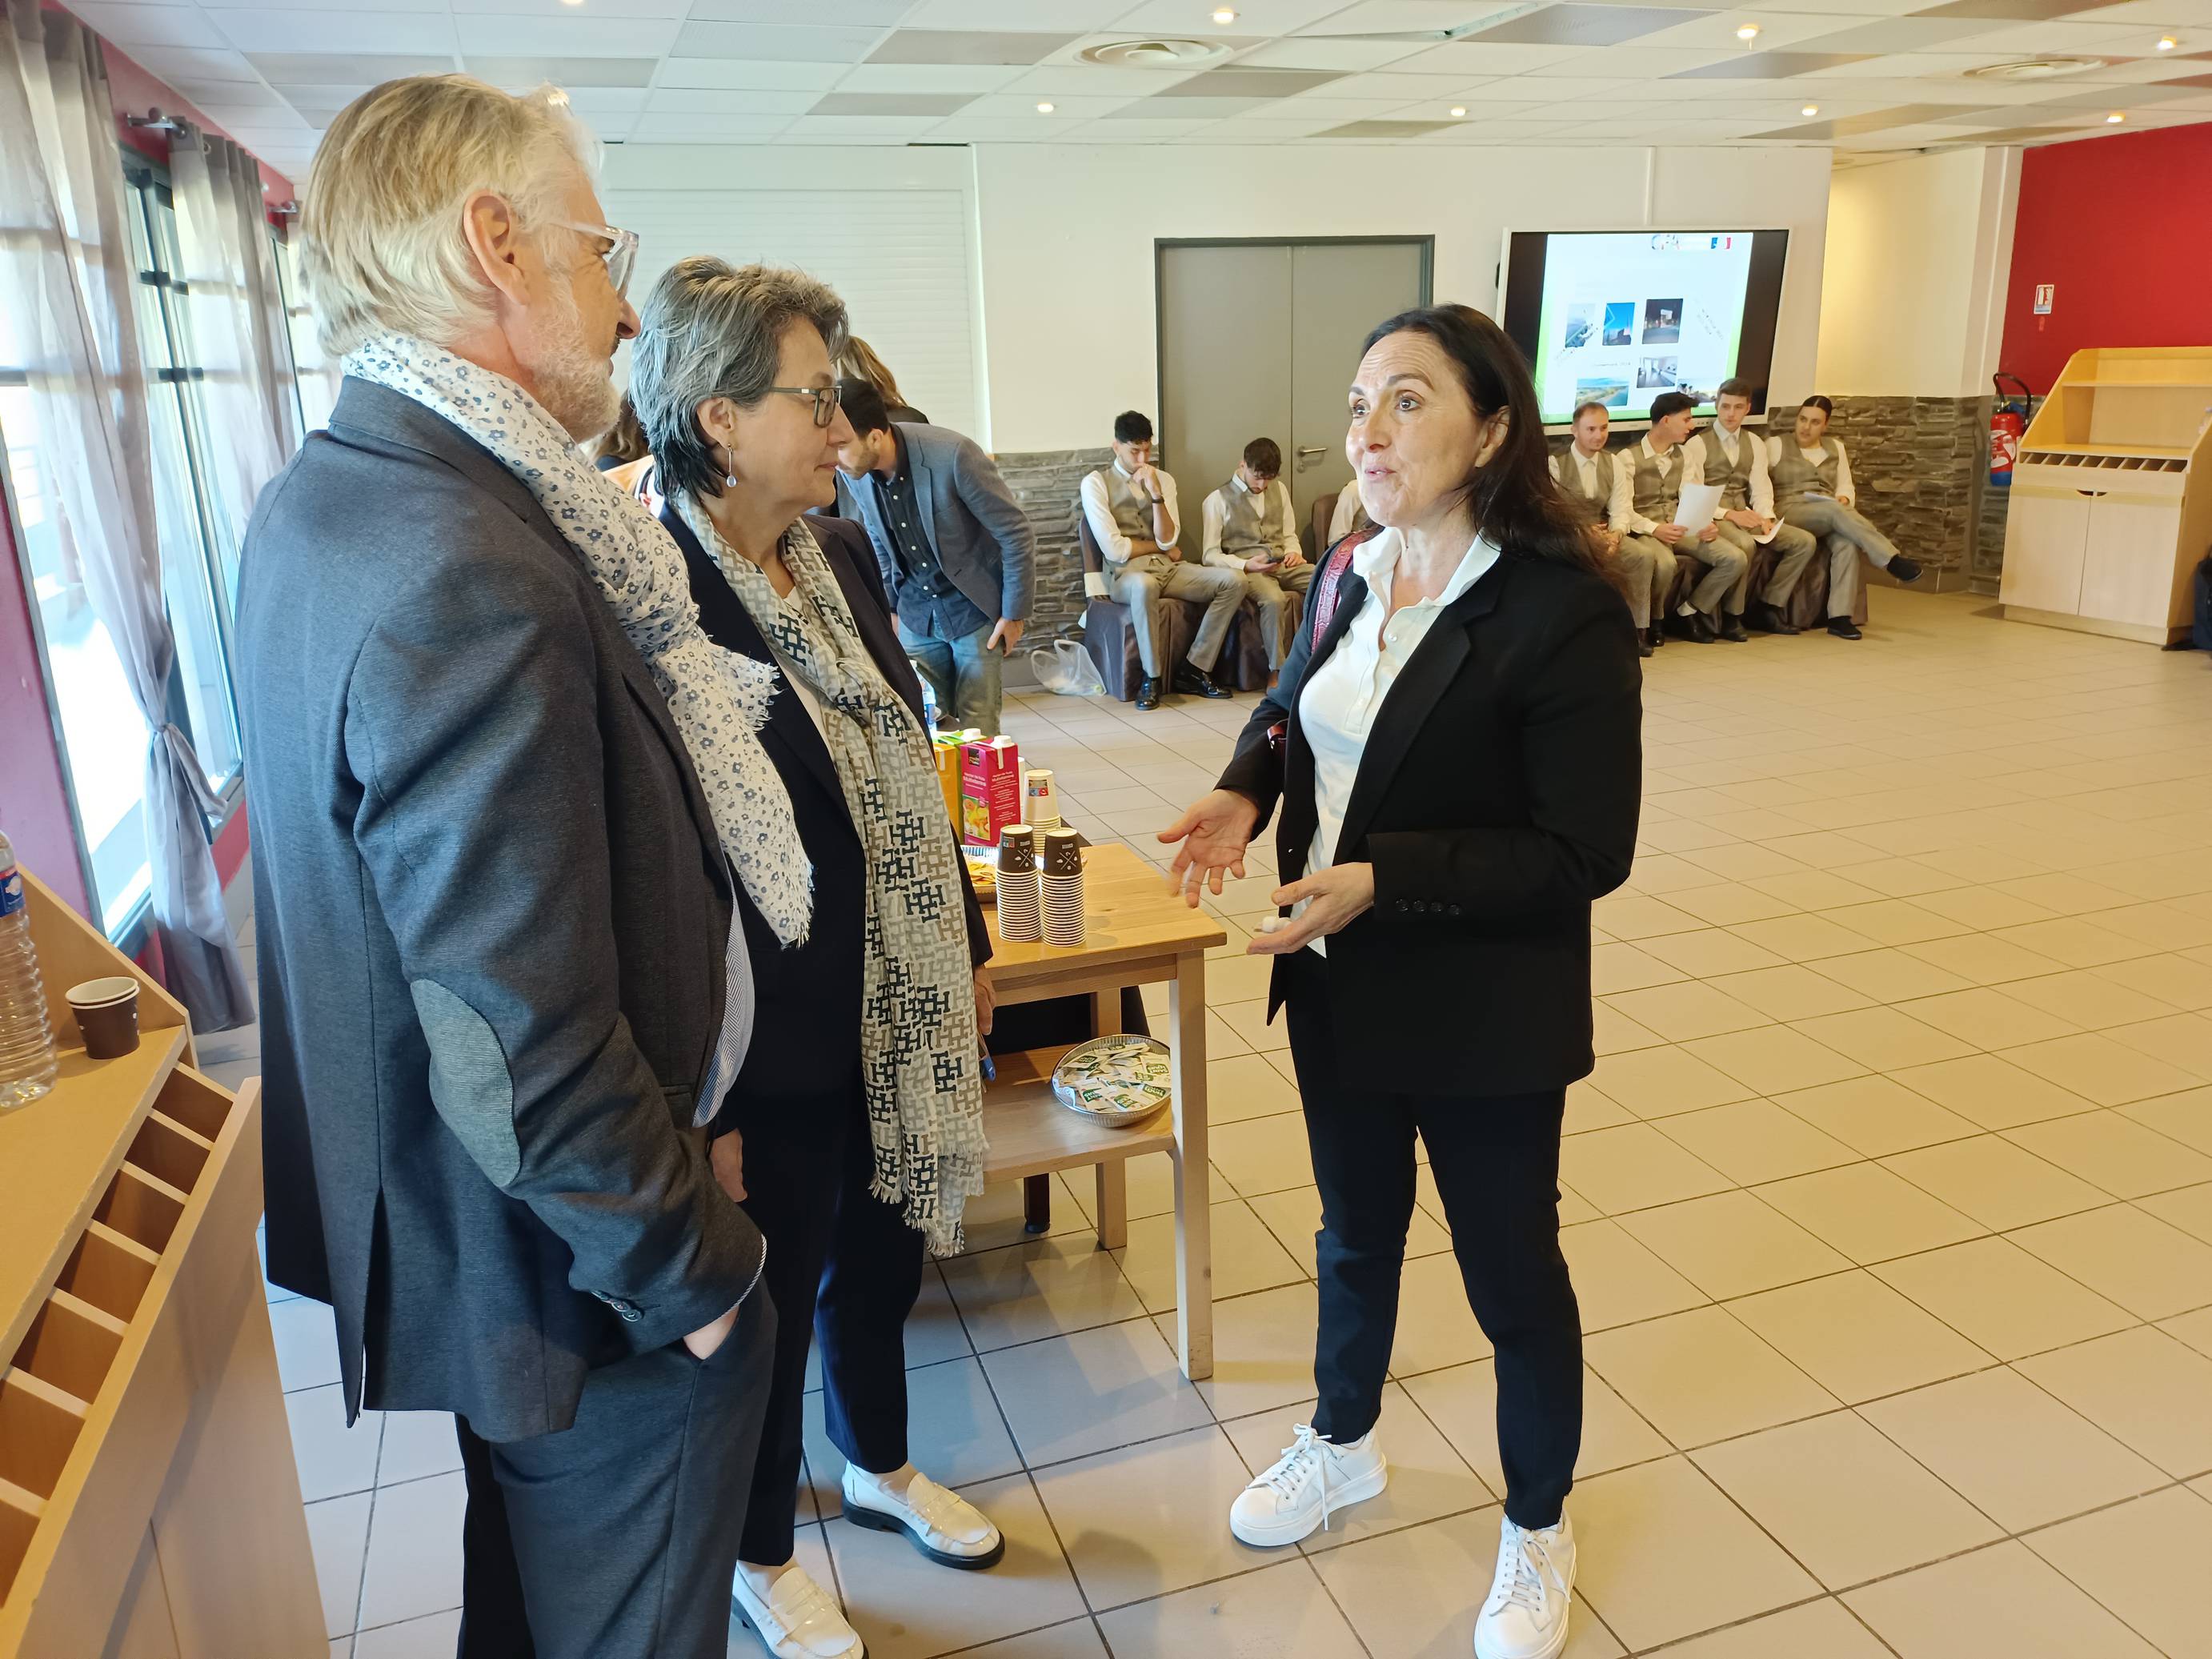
[{"x": 1066, "y": 670}]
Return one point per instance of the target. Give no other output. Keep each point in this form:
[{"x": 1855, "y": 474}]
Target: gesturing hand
[
  {"x": 1340, "y": 894},
  {"x": 1214, "y": 834},
  {"x": 727, "y": 1155}
]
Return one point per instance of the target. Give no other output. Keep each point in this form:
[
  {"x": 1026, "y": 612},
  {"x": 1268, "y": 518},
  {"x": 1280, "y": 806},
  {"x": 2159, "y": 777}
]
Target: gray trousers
[
  {"x": 1649, "y": 565},
  {"x": 1793, "y": 552},
  {"x": 1848, "y": 535},
  {"x": 1727, "y": 570},
  {"x": 1143, "y": 582},
  {"x": 619, "y": 1534},
  {"x": 1279, "y": 596}
]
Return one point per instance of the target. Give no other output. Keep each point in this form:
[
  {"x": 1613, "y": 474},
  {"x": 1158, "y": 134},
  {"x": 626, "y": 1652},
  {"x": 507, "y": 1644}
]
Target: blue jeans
[{"x": 964, "y": 673}]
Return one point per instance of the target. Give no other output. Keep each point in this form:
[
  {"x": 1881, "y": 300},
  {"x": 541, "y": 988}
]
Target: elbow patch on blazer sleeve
[{"x": 469, "y": 1079}]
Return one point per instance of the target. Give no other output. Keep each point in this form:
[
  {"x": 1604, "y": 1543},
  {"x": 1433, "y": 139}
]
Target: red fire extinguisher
[{"x": 2007, "y": 421}]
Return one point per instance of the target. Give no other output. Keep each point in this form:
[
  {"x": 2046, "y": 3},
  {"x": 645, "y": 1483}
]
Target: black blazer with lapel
[
  {"x": 1497, "y": 797},
  {"x": 806, "y": 1031}
]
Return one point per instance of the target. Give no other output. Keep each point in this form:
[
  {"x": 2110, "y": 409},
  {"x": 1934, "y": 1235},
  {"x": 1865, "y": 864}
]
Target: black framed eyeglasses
[{"x": 825, "y": 398}]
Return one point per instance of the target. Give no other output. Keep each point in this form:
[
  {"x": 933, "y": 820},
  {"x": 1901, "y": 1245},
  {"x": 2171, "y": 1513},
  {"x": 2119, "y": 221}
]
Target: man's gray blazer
[
  {"x": 493, "y": 918},
  {"x": 980, "y": 534}
]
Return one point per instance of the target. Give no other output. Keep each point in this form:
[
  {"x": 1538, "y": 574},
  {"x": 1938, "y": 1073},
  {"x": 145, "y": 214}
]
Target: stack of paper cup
[
  {"x": 1041, "y": 801},
  {"x": 1063, "y": 888},
  {"x": 1020, "y": 895}
]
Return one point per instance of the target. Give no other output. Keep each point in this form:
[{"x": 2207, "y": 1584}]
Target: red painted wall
[{"x": 2119, "y": 225}]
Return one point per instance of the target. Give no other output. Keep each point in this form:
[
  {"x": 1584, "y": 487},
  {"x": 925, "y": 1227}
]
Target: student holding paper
[
  {"x": 1736, "y": 461},
  {"x": 1660, "y": 477}
]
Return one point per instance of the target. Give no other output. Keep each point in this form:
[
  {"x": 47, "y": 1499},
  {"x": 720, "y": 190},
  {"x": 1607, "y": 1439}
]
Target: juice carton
[{"x": 990, "y": 789}]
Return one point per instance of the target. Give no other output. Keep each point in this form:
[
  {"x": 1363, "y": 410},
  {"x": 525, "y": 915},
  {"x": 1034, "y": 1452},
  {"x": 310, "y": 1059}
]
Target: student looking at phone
[{"x": 1249, "y": 528}]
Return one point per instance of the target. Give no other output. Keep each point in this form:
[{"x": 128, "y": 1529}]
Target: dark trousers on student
[
  {"x": 845, "y": 1271},
  {"x": 1496, "y": 1160}
]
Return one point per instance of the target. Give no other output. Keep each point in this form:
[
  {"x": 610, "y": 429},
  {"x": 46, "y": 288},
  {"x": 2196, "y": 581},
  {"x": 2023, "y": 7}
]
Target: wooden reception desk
[{"x": 148, "y": 1504}]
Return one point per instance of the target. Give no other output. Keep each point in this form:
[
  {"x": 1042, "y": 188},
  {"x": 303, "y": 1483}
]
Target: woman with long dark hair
[{"x": 1455, "y": 744}]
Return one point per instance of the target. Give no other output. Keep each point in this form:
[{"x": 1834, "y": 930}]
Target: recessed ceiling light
[
  {"x": 1458, "y": 110},
  {"x": 1747, "y": 34},
  {"x": 1810, "y": 109},
  {"x": 2114, "y": 119},
  {"x": 2167, "y": 43},
  {"x": 1223, "y": 15},
  {"x": 1044, "y": 109}
]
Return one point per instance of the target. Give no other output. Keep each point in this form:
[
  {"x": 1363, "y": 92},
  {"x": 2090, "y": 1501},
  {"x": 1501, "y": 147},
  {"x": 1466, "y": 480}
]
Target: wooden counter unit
[{"x": 149, "y": 1504}]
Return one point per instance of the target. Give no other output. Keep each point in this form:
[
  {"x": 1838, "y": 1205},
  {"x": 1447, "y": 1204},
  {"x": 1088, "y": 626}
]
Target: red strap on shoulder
[{"x": 1331, "y": 578}]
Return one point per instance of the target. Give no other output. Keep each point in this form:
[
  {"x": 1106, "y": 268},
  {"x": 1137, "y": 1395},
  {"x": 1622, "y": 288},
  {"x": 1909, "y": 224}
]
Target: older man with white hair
[{"x": 502, "y": 993}]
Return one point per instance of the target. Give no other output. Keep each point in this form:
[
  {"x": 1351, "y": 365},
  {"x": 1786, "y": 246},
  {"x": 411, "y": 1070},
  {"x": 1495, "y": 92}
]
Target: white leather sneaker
[
  {"x": 797, "y": 1619},
  {"x": 1526, "y": 1616},
  {"x": 1310, "y": 1482},
  {"x": 942, "y": 1525}
]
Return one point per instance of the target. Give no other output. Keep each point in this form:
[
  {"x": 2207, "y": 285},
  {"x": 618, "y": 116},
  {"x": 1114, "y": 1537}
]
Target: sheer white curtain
[
  {"x": 67, "y": 273},
  {"x": 236, "y": 313}
]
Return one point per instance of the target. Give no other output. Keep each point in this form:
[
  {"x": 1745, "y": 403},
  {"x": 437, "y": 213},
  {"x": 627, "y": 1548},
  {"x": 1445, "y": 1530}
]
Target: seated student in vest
[
  {"x": 1595, "y": 482},
  {"x": 1131, "y": 509},
  {"x": 1736, "y": 461},
  {"x": 1813, "y": 490},
  {"x": 1249, "y": 529},
  {"x": 1656, "y": 469}
]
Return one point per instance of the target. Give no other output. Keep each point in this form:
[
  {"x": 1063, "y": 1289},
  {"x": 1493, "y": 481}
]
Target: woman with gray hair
[{"x": 860, "y": 1107}]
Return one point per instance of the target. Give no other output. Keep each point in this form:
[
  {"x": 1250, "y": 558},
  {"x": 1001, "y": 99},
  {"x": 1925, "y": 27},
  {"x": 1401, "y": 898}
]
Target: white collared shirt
[
  {"x": 1339, "y": 702},
  {"x": 1216, "y": 514},
  {"x": 1100, "y": 511},
  {"x": 1762, "y": 493},
  {"x": 1814, "y": 458},
  {"x": 1623, "y": 467}
]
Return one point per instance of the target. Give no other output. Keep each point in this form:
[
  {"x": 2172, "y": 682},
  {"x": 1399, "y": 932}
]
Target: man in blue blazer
[{"x": 956, "y": 550}]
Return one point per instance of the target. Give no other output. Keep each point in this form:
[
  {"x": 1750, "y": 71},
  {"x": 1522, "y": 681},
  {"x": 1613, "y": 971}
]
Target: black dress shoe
[
  {"x": 1148, "y": 693},
  {"x": 1643, "y": 645},
  {"x": 1655, "y": 636},
  {"x": 1765, "y": 618},
  {"x": 1693, "y": 628},
  {"x": 1904, "y": 569},
  {"x": 1844, "y": 629},
  {"x": 1732, "y": 630},
  {"x": 1194, "y": 682}
]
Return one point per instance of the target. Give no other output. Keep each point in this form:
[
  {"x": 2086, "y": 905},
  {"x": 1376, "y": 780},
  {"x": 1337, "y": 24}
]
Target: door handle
[
  {"x": 1312, "y": 449},
  {"x": 2093, "y": 495}
]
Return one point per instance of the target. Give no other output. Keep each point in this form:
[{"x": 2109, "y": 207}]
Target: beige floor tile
[
  {"x": 1656, "y": 1082},
  {"x": 2087, "y": 998},
  {"x": 2161, "y": 925},
  {"x": 1613, "y": 1032},
  {"x": 1633, "y": 916},
  {"x": 414, "y": 1565},
  {"x": 1815, "y": 890},
  {"x": 431, "y": 1638},
  {"x": 1756, "y": 1140},
  {"x": 1662, "y": 1554},
  {"x": 1876, "y": 1116},
  {"x": 1999, "y": 1603},
  {"x": 2094, "y": 1066},
  {"x": 306, "y": 1343},
  {"x": 1294, "y": 1218},
  {"x": 1973, "y": 1430},
  {"x": 1844, "y": 1501},
  {"x": 1077, "y": 1639},
  {"x": 1246, "y": 1086},
  {"x": 1435, "y": 1326},
  {"x": 2189, "y": 1208},
  {"x": 1984, "y": 909},
  {"x": 1283, "y": 1609},
  {"x": 1868, "y": 1213},
  {"x": 1616, "y": 968},
  {"x": 2152, "y": 1269},
  {"x": 1263, "y": 1351},
  {"x": 1223, "y": 1039},
  {"x": 1818, "y": 1630},
  {"x": 1617, "y": 1280},
  {"x": 1428, "y": 1478},
  {"x": 2116, "y": 1152},
  {"x": 337, "y": 1533},
  {"x": 1246, "y": 1256},
  {"x": 1691, "y": 1009},
  {"x": 898, "y": 1599},
  {"x": 2144, "y": 1389},
  {"x": 1414, "y": 1595},
  {"x": 2182, "y": 1041},
  {"x": 1237, "y": 980},
  {"x": 1858, "y": 1338},
  {"x": 2185, "y": 1117},
  {"x": 1887, "y": 977},
  {"x": 1800, "y": 938},
  {"x": 1729, "y": 906},
  {"x": 2180, "y": 980},
  {"x": 1897, "y": 922},
  {"x": 1998, "y": 1296},
  {"x": 1249, "y": 1021},
  {"x": 1632, "y": 1168},
  {"x": 1993, "y": 1092},
  {"x": 1790, "y": 992},
  {"x": 1774, "y": 1059},
  {"x": 2063, "y": 895},
  {"x": 1588, "y": 1109},
  {"x": 1070, "y": 1397},
  {"x": 2194, "y": 1328},
  {"x": 1984, "y": 1017},
  {"x": 1983, "y": 959},
  {"x": 1463, "y": 1401},
  {"x": 2144, "y": 1560},
  {"x": 418, "y": 1444},
  {"x": 1730, "y": 1244},
  {"x": 1998, "y": 1183},
  {"x": 1884, "y": 1039},
  {"x": 1263, "y": 1154},
  {"x": 1045, "y": 1288},
  {"x": 332, "y": 1459},
  {"x": 1702, "y": 1376},
  {"x": 1709, "y": 951},
  {"x": 956, "y": 1425},
  {"x": 2073, "y": 941},
  {"x": 1146, "y": 1519}
]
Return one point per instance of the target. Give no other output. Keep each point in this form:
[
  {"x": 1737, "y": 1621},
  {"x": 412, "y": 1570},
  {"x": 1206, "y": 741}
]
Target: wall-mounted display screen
[{"x": 1617, "y": 317}]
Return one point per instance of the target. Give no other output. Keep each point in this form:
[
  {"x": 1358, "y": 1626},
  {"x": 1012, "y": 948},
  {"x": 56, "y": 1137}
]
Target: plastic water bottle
[
  {"x": 26, "y": 1040},
  {"x": 930, "y": 712}
]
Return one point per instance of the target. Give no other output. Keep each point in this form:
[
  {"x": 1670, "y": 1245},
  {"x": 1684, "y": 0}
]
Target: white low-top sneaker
[
  {"x": 942, "y": 1525},
  {"x": 1526, "y": 1616},
  {"x": 797, "y": 1620},
  {"x": 1310, "y": 1481}
]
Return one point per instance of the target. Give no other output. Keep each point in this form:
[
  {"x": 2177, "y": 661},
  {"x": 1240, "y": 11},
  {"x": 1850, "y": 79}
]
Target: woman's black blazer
[
  {"x": 1497, "y": 797},
  {"x": 806, "y": 1026}
]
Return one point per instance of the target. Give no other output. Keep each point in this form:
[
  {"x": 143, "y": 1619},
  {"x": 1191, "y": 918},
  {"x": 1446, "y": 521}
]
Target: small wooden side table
[{"x": 1135, "y": 932}]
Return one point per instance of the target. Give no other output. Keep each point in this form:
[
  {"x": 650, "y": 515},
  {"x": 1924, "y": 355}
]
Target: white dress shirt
[
  {"x": 1100, "y": 512},
  {"x": 1216, "y": 514},
  {"x": 1340, "y": 520},
  {"x": 1814, "y": 458},
  {"x": 1762, "y": 493},
  {"x": 1625, "y": 517},
  {"x": 1617, "y": 502},
  {"x": 1340, "y": 701}
]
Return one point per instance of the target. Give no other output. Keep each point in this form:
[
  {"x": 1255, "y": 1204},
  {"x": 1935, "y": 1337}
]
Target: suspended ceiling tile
[
  {"x": 1241, "y": 82},
  {"x": 1165, "y": 108},
  {"x": 937, "y": 105},
  {"x": 849, "y": 14},
  {"x": 1767, "y": 66},
  {"x": 737, "y": 74},
  {"x": 522, "y": 73},
  {"x": 131, "y": 27},
  {"x": 1385, "y": 129},
  {"x": 329, "y": 69},
  {"x": 751, "y": 104},
  {"x": 336, "y": 31},
  {"x": 966, "y": 46},
  {"x": 972, "y": 78},
  {"x": 776, "y": 42}
]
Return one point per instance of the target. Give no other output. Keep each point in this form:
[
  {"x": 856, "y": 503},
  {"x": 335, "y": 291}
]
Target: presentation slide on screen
[{"x": 1630, "y": 314}]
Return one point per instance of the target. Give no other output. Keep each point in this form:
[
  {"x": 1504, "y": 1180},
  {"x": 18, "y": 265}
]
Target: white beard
[{"x": 575, "y": 383}]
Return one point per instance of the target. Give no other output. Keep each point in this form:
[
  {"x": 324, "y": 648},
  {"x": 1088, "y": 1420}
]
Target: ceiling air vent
[
  {"x": 2035, "y": 68},
  {"x": 1162, "y": 54}
]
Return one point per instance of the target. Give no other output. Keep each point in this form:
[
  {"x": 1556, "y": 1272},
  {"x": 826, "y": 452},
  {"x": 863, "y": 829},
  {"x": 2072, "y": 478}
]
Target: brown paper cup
[{"x": 106, "y": 1012}]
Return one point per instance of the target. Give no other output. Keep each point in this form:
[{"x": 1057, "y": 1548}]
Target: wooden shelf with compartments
[
  {"x": 2111, "y": 497},
  {"x": 149, "y": 1504}
]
